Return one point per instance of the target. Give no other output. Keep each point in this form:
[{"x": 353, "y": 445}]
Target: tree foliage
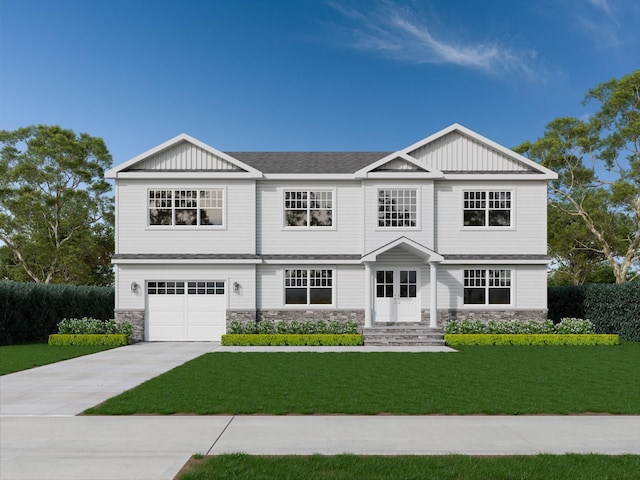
[
  {"x": 56, "y": 217},
  {"x": 596, "y": 196}
]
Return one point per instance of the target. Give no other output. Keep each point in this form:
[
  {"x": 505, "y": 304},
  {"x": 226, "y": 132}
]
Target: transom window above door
[
  {"x": 308, "y": 208},
  {"x": 186, "y": 207},
  {"x": 398, "y": 208},
  {"x": 487, "y": 209}
]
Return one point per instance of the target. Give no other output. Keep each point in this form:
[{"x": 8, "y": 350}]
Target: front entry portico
[{"x": 393, "y": 292}]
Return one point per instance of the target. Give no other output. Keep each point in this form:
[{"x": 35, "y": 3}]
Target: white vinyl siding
[
  {"x": 344, "y": 236},
  {"x": 376, "y": 236},
  {"x": 526, "y": 234},
  {"x": 347, "y": 283},
  {"x": 244, "y": 275},
  {"x": 237, "y": 235}
]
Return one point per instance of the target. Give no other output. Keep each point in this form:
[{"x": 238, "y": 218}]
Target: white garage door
[{"x": 186, "y": 311}]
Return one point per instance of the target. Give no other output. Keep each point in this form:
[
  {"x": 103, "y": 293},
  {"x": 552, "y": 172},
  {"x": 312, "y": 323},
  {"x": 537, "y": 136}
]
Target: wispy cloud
[
  {"x": 402, "y": 34},
  {"x": 606, "y": 22}
]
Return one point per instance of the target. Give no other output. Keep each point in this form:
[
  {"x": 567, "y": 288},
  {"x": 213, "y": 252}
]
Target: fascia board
[
  {"x": 498, "y": 176},
  {"x": 495, "y": 262},
  {"x": 408, "y": 175},
  {"x": 182, "y": 261},
  {"x": 194, "y": 175},
  {"x": 303, "y": 261},
  {"x": 308, "y": 176}
]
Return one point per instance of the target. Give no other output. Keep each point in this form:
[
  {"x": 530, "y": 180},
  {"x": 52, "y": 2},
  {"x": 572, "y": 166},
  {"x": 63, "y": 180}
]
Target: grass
[
  {"x": 458, "y": 467},
  {"x": 477, "y": 380},
  {"x": 14, "y": 358}
]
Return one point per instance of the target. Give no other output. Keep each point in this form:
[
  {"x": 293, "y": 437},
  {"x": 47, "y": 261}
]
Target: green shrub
[
  {"x": 612, "y": 308},
  {"x": 295, "y": 327},
  {"x": 29, "y": 312},
  {"x": 245, "y": 340},
  {"x": 499, "y": 326},
  {"x": 534, "y": 339},
  {"x": 84, "y": 326},
  {"x": 576, "y": 326},
  {"x": 113, "y": 340}
]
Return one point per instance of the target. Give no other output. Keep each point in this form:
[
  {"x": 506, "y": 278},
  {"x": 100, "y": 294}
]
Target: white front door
[{"x": 397, "y": 295}]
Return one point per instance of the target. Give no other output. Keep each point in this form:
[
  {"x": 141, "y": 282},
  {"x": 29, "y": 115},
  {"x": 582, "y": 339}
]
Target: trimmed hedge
[
  {"x": 292, "y": 340},
  {"x": 112, "y": 340},
  {"x": 30, "y": 312},
  {"x": 613, "y": 309},
  {"x": 463, "y": 339}
]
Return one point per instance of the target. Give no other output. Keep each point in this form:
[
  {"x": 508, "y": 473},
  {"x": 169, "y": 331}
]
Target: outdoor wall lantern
[
  {"x": 236, "y": 288},
  {"x": 135, "y": 287}
]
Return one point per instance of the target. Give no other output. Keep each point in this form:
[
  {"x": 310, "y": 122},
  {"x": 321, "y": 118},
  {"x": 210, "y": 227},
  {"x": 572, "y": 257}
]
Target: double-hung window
[
  {"x": 397, "y": 207},
  {"x": 308, "y": 287},
  {"x": 487, "y": 208},
  {"x": 308, "y": 208},
  {"x": 186, "y": 207},
  {"x": 487, "y": 287}
]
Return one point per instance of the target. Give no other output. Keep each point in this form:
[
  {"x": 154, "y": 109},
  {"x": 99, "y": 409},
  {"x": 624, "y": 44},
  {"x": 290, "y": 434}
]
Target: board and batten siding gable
[
  {"x": 344, "y": 237},
  {"x": 136, "y": 236},
  {"x": 185, "y": 156},
  {"x": 456, "y": 152},
  {"x": 527, "y": 235}
]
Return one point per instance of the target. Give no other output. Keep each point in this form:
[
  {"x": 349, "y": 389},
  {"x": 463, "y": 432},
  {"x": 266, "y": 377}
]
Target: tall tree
[
  {"x": 56, "y": 215},
  {"x": 598, "y": 166}
]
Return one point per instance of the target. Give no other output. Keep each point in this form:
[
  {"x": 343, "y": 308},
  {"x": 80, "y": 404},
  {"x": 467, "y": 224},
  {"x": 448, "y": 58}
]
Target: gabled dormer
[{"x": 184, "y": 157}]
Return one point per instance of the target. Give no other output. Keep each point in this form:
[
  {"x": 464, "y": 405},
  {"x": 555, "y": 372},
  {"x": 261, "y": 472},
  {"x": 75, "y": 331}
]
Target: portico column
[
  {"x": 433, "y": 311},
  {"x": 367, "y": 295}
]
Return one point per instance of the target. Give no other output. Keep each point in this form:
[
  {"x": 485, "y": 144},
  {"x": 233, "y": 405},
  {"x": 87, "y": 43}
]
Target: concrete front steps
[{"x": 403, "y": 335}]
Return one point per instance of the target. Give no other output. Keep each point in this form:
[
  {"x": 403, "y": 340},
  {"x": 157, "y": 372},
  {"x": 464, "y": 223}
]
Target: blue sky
[{"x": 307, "y": 75}]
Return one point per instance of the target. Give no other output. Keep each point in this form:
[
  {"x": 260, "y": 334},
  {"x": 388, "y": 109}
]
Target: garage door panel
[{"x": 195, "y": 313}]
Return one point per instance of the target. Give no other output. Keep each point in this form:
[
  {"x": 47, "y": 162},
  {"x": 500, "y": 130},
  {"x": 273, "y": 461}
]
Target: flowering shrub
[
  {"x": 574, "y": 326},
  {"x": 499, "y": 326},
  {"x": 87, "y": 326},
  {"x": 295, "y": 327}
]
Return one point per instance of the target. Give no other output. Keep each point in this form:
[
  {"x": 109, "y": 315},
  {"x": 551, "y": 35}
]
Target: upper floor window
[
  {"x": 186, "y": 207},
  {"x": 308, "y": 208},
  {"x": 398, "y": 207},
  {"x": 487, "y": 209},
  {"x": 487, "y": 287},
  {"x": 308, "y": 287}
]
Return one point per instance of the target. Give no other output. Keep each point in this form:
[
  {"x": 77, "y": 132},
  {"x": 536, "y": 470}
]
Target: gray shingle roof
[{"x": 308, "y": 162}]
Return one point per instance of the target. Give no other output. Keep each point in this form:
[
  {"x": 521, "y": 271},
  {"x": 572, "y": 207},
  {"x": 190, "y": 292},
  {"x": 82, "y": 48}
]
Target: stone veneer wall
[
  {"x": 136, "y": 317},
  {"x": 445, "y": 316},
  {"x": 247, "y": 316}
]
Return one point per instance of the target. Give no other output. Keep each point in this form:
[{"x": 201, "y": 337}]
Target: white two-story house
[{"x": 453, "y": 226}]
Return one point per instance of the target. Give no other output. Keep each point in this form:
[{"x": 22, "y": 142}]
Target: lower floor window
[
  {"x": 487, "y": 287},
  {"x": 308, "y": 287}
]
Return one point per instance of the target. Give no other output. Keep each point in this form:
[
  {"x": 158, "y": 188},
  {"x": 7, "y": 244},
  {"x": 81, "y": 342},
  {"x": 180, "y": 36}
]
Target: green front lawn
[
  {"x": 14, "y": 358},
  {"x": 476, "y": 380},
  {"x": 350, "y": 467}
]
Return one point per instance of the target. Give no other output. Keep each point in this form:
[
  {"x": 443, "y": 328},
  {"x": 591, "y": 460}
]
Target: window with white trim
[
  {"x": 487, "y": 287},
  {"x": 308, "y": 287},
  {"x": 308, "y": 208},
  {"x": 487, "y": 208},
  {"x": 186, "y": 207},
  {"x": 397, "y": 207}
]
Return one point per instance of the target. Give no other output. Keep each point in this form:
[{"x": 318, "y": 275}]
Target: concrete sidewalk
[{"x": 156, "y": 448}]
